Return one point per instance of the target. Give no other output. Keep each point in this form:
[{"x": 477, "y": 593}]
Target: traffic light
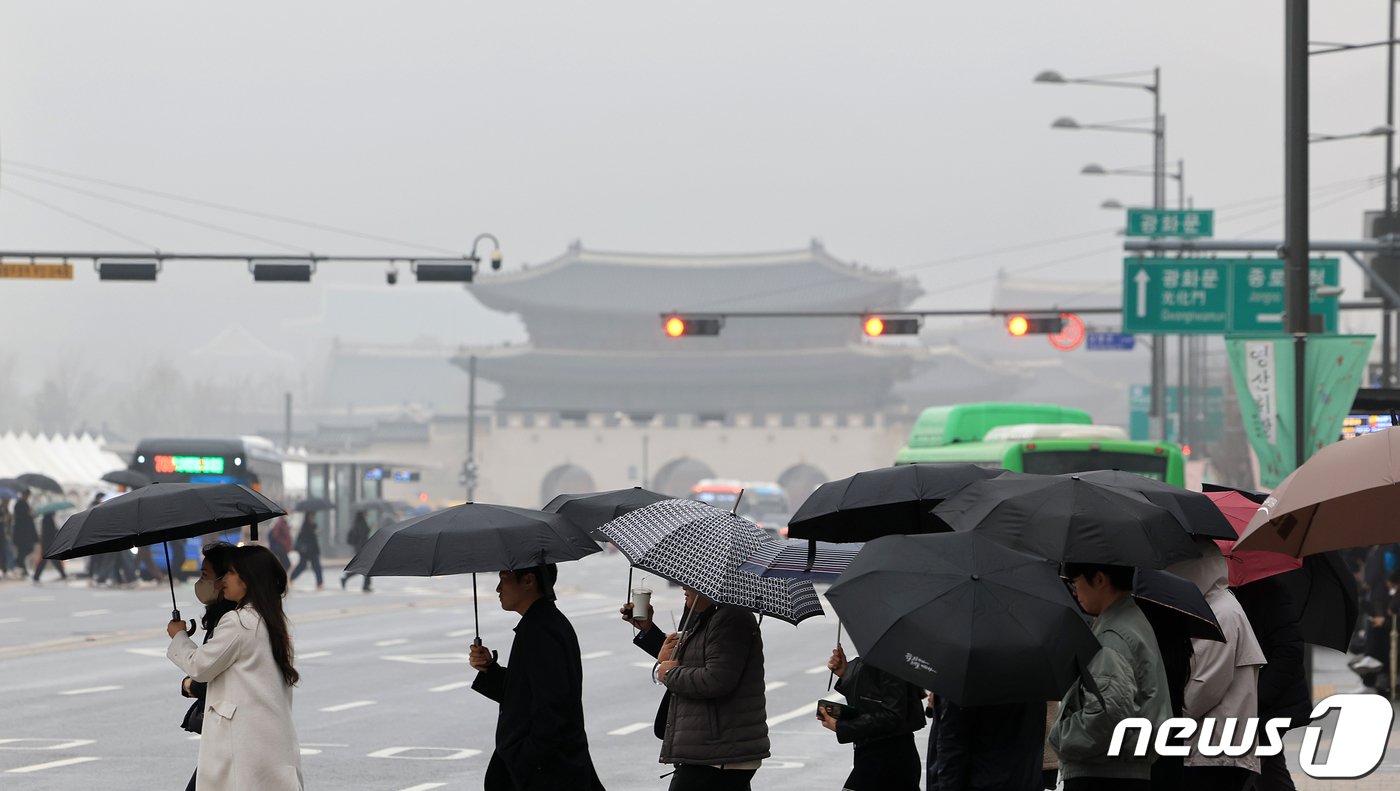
[
  {"x": 676, "y": 325},
  {"x": 879, "y": 326},
  {"x": 1019, "y": 324}
]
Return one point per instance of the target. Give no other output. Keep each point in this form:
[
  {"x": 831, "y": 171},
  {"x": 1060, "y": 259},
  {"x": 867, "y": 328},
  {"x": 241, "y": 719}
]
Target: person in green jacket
[{"x": 1127, "y": 679}]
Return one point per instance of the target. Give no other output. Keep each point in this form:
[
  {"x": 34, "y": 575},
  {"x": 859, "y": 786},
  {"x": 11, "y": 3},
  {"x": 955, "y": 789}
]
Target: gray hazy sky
[{"x": 900, "y": 133}]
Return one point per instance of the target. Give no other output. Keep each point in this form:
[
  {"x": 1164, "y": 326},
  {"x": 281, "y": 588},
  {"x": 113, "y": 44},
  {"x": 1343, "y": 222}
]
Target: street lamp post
[{"x": 1159, "y": 198}]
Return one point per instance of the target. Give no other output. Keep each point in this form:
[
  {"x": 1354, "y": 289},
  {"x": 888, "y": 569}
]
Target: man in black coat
[
  {"x": 990, "y": 748},
  {"x": 541, "y": 744},
  {"x": 1283, "y": 682}
]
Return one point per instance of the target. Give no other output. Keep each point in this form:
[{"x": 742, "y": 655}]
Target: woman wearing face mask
[
  {"x": 248, "y": 741},
  {"x": 207, "y": 589}
]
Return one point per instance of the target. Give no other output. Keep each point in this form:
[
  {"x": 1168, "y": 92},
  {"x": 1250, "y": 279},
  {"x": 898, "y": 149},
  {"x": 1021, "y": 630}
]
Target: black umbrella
[
  {"x": 1325, "y": 596},
  {"x": 311, "y": 504},
  {"x": 131, "y": 479},
  {"x": 159, "y": 513},
  {"x": 964, "y": 616},
  {"x": 1196, "y": 513},
  {"x": 1165, "y": 596},
  {"x": 591, "y": 510},
  {"x": 886, "y": 501},
  {"x": 701, "y": 547},
  {"x": 39, "y": 481},
  {"x": 1070, "y": 520},
  {"x": 469, "y": 538}
]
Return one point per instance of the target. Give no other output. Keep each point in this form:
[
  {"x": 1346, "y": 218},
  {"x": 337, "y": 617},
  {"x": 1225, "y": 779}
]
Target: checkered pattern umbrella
[
  {"x": 819, "y": 561},
  {"x": 701, "y": 548}
]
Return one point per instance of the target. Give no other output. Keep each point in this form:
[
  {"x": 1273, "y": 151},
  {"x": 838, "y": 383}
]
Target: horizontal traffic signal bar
[
  {"x": 677, "y": 325},
  {"x": 878, "y": 326}
]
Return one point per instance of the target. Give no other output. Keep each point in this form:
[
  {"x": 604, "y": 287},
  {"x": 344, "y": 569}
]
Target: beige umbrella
[{"x": 1346, "y": 495}]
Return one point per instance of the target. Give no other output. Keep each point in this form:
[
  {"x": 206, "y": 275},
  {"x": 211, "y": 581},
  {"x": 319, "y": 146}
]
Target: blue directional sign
[{"x": 1109, "y": 342}]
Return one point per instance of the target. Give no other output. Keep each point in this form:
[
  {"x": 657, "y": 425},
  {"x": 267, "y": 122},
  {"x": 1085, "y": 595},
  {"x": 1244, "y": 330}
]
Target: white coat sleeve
[{"x": 205, "y": 662}]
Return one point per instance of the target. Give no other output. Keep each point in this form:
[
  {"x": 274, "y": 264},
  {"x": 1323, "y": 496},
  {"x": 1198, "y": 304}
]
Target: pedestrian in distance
[
  {"x": 48, "y": 531},
  {"x": 1125, "y": 679},
  {"x": 209, "y": 590},
  {"x": 24, "y": 534},
  {"x": 279, "y": 540},
  {"x": 308, "y": 548},
  {"x": 358, "y": 535},
  {"x": 541, "y": 743},
  {"x": 7, "y": 520},
  {"x": 1224, "y": 681},
  {"x": 248, "y": 739},
  {"x": 880, "y": 720},
  {"x": 716, "y": 731}
]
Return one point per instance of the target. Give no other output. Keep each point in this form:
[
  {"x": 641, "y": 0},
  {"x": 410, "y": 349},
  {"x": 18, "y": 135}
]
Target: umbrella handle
[{"x": 175, "y": 616}]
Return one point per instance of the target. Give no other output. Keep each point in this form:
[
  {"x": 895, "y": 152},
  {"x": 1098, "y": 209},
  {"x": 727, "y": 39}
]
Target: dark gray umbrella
[
  {"x": 131, "y": 479},
  {"x": 40, "y": 481},
  {"x": 1195, "y": 511},
  {"x": 700, "y": 547},
  {"x": 312, "y": 504},
  {"x": 159, "y": 513},
  {"x": 592, "y": 510},
  {"x": 1070, "y": 520},
  {"x": 886, "y": 501},
  {"x": 960, "y": 614},
  {"x": 469, "y": 538},
  {"x": 1165, "y": 596}
]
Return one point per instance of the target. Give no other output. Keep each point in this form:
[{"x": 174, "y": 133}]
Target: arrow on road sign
[{"x": 1141, "y": 279}]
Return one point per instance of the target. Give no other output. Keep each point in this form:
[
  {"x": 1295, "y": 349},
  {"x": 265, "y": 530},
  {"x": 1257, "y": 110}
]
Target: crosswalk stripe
[
  {"x": 52, "y": 764},
  {"x": 633, "y": 728}
]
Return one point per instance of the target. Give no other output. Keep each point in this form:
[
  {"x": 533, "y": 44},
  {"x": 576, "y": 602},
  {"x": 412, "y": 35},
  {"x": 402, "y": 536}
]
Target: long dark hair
[
  {"x": 266, "y": 581},
  {"x": 217, "y": 554}
]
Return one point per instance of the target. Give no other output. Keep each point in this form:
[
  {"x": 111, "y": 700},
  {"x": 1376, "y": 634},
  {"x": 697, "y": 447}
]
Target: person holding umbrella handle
[
  {"x": 881, "y": 718},
  {"x": 540, "y": 738}
]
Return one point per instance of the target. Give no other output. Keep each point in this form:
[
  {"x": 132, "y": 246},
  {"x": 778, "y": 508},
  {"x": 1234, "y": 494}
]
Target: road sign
[
  {"x": 1211, "y": 412},
  {"x": 36, "y": 271},
  {"x": 1183, "y": 223},
  {"x": 1109, "y": 342},
  {"x": 1217, "y": 296},
  {"x": 1071, "y": 333}
]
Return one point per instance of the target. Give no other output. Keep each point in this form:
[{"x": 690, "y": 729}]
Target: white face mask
[{"x": 206, "y": 591}]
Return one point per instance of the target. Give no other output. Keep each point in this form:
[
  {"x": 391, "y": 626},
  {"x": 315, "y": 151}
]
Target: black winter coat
[
  {"x": 23, "y": 533},
  {"x": 1283, "y": 684},
  {"x": 990, "y": 748},
  {"x": 885, "y": 706},
  {"x": 541, "y": 744},
  {"x": 718, "y": 708},
  {"x": 651, "y": 641}
]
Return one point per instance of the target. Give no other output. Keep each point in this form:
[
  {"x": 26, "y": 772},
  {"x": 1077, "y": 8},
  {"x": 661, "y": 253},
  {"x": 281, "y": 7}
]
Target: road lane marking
[
  {"x": 429, "y": 659},
  {"x": 452, "y": 686},
  {"x": 461, "y": 633},
  {"x": 633, "y": 728},
  {"x": 313, "y": 655},
  {"x": 596, "y": 654},
  {"x": 146, "y": 651},
  {"x": 809, "y": 710},
  {"x": 647, "y": 665},
  {"x": 424, "y": 787},
  {"x": 86, "y": 690},
  {"x": 87, "y": 613},
  {"x": 599, "y": 611},
  {"x": 52, "y": 764},
  {"x": 772, "y": 685},
  {"x": 387, "y": 643},
  {"x": 10, "y": 620},
  {"x": 816, "y": 670},
  {"x": 57, "y": 744},
  {"x": 354, "y": 704},
  {"x": 453, "y": 753},
  {"x": 35, "y": 598}
]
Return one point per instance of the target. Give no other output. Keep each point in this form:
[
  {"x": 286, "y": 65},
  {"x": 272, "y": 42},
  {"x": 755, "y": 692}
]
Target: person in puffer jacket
[{"x": 717, "y": 722}]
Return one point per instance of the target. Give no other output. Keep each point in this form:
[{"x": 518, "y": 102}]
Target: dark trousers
[
  {"x": 314, "y": 561},
  {"x": 58, "y": 564},
  {"x": 1216, "y": 778},
  {"x": 885, "y": 765},
  {"x": 1273, "y": 775},
  {"x": 689, "y": 777},
  {"x": 1049, "y": 778},
  {"x": 1107, "y": 784}
]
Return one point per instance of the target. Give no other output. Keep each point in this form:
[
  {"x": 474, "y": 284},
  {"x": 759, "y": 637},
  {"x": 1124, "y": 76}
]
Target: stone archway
[
  {"x": 677, "y": 476},
  {"x": 799, "y": 481},
  {"x": 565, "y": 479}
]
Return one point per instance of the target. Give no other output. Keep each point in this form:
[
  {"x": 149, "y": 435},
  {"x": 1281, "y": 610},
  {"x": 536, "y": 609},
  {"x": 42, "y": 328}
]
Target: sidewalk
[{"x": 1330, "y": 676}]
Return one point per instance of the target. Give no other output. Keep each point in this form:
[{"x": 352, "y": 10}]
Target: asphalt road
[{"x": 88, "y": 699}]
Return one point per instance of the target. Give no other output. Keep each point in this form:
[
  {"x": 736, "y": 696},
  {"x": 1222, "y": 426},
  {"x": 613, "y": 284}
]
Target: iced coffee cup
[{"x": 641, "y": 604}]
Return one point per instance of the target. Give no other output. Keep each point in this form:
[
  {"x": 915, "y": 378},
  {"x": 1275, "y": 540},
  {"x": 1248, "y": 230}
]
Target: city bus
[
  {"x": 252, "y": 461},
  {"x": 1046, "y": 439}
]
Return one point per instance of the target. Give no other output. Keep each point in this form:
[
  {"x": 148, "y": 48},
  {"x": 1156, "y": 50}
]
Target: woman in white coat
[{"x": 249, "y": 741}]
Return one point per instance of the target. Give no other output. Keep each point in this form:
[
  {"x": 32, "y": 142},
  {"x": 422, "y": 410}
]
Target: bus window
[{"x": 1063, "y": 461}]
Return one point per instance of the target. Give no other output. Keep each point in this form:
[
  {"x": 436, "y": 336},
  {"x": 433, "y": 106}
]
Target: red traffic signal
[
  {"x": 878, "y": 326},
  {"x": 1019, "y": 324},
  {"x": 676, "y": 325}
]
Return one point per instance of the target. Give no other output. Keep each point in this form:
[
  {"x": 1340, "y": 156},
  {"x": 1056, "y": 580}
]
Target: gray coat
[{"x": 718, "y": 712}]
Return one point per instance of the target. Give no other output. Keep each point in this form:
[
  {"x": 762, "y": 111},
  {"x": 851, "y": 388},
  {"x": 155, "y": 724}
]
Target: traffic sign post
[
  {"x": 1182, "y": 223},
  {"x": 1109, "y": 342},
  {"x": 1217, "y": 296}
]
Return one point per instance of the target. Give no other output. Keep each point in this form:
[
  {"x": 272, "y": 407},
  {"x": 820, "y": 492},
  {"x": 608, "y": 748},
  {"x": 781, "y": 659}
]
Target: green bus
[{"x": 1038, "y": 438}]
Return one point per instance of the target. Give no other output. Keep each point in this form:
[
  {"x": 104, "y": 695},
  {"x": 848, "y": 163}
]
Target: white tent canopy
[{"x": 76, "y": 462}]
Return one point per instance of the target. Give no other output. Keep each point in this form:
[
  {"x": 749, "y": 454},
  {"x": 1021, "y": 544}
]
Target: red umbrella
[{"x": 1247, "y": 565}]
